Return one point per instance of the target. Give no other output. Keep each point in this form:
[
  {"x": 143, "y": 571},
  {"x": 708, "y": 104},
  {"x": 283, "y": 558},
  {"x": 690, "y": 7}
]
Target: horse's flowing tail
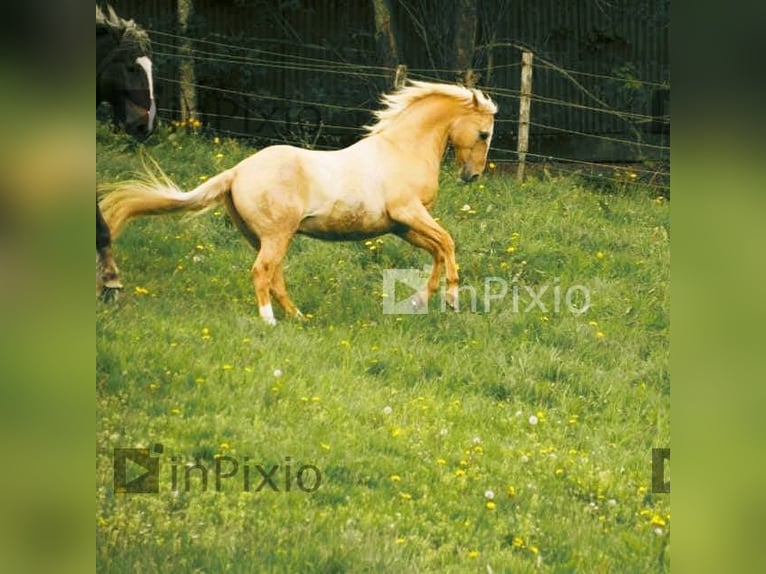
[{"x": 155, "y": 194}]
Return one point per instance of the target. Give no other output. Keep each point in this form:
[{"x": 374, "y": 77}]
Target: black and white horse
[{"x": 123, "y": 80}]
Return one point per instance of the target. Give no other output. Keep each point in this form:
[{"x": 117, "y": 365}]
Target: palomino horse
[
  {"x": 124, "y": 80},
  {"x": 384, "y": 183}
]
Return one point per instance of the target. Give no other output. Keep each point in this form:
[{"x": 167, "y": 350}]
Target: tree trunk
[
  {"x": 465, "y": 41},
  {"x": 188, "y": 95},
  {"x": 385, "y": 37}
]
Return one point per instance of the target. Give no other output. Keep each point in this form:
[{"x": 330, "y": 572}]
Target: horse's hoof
[
  {"x": 110, "y": 294},
  {"x": 269, "y": 321}
]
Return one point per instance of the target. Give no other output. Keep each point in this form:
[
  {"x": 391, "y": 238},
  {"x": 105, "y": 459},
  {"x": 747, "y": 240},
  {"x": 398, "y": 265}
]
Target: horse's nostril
[{"x": 474, "y": 177}]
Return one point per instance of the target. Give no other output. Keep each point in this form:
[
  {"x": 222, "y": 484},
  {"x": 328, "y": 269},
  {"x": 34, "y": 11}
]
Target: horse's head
[
  {"x": 124, "y": 73},
  {"x": 471, "y": 134}
]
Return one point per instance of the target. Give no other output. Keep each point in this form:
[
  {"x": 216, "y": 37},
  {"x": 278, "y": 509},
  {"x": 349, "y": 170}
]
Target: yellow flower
[
  {"x": 459, "y": 472},
  {"x": 510, "y": 249},
  {"x": 324, "y": 446},
  {"x": 441, "y": 461},
  {"x": 600, "y": 255},
  {"x": 492, "y": 165},
  {"x": 490, "y": 505},
  {"x": 401, "y": 540},
  {"x": 405, "y": 496},
  {"x": 473, "y": 554},
  {"x": 657, "y": 520},
  {"x": 395, "y": 478},
  {"x": 600, "y": 335},
  {"x": 511, "y": 491},
  {"x": 141, "y": 291},
  {"x": 227, "y": 367},
  {"x": 518, "y": 542}
]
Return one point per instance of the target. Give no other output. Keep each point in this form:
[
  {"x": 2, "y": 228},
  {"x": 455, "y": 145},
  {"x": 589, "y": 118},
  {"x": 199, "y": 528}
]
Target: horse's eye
[{"x": 483, "y": 136}]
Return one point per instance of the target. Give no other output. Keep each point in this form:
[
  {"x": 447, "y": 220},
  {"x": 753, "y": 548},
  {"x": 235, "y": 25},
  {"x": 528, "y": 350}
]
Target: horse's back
[{"x": 332, "y": 194}]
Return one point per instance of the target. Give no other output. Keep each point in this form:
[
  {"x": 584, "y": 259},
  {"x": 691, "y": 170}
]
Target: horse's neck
[{"x": 423, "y": 130}]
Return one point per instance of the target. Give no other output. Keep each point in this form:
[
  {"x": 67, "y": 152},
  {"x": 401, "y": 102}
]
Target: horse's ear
[{"x": 475, "y": 100}]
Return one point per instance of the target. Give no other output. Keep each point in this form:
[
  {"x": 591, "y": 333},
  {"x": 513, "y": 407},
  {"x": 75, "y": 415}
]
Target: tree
[
  {"x": 385, "y": 37},
  {"x": 465, "y": 41},
  {"x": 188, "y": 96}
]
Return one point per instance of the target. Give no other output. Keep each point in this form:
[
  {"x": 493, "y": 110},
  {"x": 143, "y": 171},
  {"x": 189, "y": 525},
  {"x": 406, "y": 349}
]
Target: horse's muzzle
[{"x": 468, "y": 176}]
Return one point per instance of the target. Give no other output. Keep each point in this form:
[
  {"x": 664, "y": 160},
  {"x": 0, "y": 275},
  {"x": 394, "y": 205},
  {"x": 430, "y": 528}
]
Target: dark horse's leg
[{"x": 107, "y": 280}]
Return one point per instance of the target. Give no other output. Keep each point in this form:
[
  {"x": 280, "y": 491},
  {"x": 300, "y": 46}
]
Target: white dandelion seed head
[
  {"x": 533, "y": 420},
  {"x": 277, "y": 373},
  {"x": 489, "y": 495},
  {"x": 387, "y": 410}
]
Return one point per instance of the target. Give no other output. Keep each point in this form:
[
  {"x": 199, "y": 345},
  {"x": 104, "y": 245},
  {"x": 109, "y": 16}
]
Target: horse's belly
[{"x": 346, "y": 222}]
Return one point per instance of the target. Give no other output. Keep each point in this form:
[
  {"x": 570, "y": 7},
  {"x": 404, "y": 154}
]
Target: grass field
[{"x": 513, "y": 437}]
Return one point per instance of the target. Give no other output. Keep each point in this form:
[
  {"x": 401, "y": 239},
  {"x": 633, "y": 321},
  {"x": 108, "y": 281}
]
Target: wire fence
[{"x": 316, "y": 121}]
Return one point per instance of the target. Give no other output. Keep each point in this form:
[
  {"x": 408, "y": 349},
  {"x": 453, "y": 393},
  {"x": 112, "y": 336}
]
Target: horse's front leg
[{"x": 422, "y": 231}]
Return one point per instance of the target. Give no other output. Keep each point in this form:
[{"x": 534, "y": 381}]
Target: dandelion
[
  {"x": 203, "y": 177},
  {"x": 600, "y": 335},
  {"x": 473, "y": 554},
  {"x": 518, "y": 542},
  {"x": 441, "y": 461},
  {"x": 489, "y": 495},
  {"x": 387, "y": 410},
  {"x": 405, "y": 496},
  {"x": 277, "y": 373},
  {"x": 227, "y": 367},
  {"x": 593, "y": 323},
  {"x": 657, "y": 520},
  {"x": 345, "y": 343},
  {"x": 476, "y": 440},
  {"x": 401, "y": 540},
  {"x": 459, "y": 472},
  {"x": 659, "y": 531},
  {"x": 533, "y": 420},
  {"x": 492, "y": 165},
  {"x": 219, "y": 155},
  {"x": 395, "y": 478},
  {"x": 141, "y": 291},
  {"x": 490, "y": 505},
  {"x": 175, "y": 411},
  {"x": 510, "y": 249},
  {"x": 216, "y": 140},
  {"x": 224, "y": 446},
  {"x": 511, "y": 491},
  {"x": 324, "y": 446},
  {"x": 465, "y": 208},
  {"x": 600, "y": 255}
]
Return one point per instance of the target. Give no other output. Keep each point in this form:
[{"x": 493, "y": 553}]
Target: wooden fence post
[
  {"x": 400, "y": 76},
  {"x": 525, "y": 102}
]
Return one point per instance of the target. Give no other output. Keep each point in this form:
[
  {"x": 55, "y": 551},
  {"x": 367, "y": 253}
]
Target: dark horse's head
[{"x": 124, "y": 73}]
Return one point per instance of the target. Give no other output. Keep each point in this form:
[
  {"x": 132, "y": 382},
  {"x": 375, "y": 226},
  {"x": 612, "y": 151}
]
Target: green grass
[{"x": 410, "y": 419}]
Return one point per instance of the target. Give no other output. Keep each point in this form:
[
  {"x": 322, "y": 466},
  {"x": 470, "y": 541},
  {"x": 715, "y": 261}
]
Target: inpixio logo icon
[
  {"x": 136, "y": 470},
  {"x": 400, "y": 291}
]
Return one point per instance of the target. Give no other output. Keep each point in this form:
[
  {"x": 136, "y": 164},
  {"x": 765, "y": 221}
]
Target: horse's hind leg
[
  {"x": 279, "y": 290},
  {"x": 266, "y": 265},
  {"x": 107, "y": 279}
]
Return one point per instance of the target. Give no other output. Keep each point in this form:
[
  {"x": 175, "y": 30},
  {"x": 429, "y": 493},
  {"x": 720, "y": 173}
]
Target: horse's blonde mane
[{"x": 403, "y": 98}]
